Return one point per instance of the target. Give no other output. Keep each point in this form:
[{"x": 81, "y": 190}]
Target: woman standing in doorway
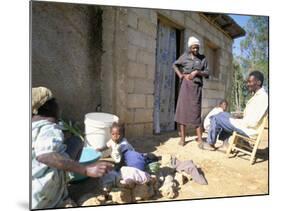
[{"x": 190, "y": 67}]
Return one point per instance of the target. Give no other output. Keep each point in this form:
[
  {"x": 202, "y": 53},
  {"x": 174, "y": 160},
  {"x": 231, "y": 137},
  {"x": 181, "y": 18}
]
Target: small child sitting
[
  {"x": 222, "y": 107},
  {"x": 131, "y": 165},
  {"x": 122, "y": 151},
  {"x": 118, "y": 143}
]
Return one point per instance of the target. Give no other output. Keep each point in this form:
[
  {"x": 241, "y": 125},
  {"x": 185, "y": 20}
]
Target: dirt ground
[{"x": 226, "y": 176}]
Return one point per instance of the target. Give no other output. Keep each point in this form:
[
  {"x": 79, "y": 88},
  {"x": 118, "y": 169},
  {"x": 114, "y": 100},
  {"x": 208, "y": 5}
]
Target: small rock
[
  {"x": 101, "y": 198},
  {"x": 168, "y": 189},
  {"x": 109, "y": 202},
  {"x": 69, "y": 203},
  {"x": 121, "y": 195},
  {"x": 91, "y": 200},
  {"x": 143, "y": 191}
]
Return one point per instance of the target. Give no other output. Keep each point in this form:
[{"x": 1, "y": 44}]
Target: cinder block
[
  {"x": 134, "y": 130},
  {"x": 148, "y": 28},
  {"x": 142, "y": 13},
  {"x": 132, "y": 19},
  {"x": 130, "y": 85},
  {"x": 144, "y": 86},
  {"x": 145, "y": 57},
  {"x": 150, "y": 44},
  {"x": 153, "y": 17},
  {"x": 213, "y": 94},
  {"x": 136, "y": 101},
  {"x": 206, "y": 103},
  {"x": 136, "y": 70},
  {"x": 132, "y": 52},
  {"x": 143, "y": 115},
  {"x": 149, "y": 101},
  {"x": 129, "y": 116},
  {"x": 150, "y": 72},
  {"x": 148, "y": 129},
  {"x": 205, "y": 112},
  {"x": 136, "y": 38}
]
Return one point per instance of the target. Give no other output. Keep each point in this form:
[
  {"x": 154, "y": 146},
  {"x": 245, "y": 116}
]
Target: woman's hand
[
  {"x": 98, "y": 169},
  {"x": 186, "y": 77},
  {"x": 193, "y": 74}
]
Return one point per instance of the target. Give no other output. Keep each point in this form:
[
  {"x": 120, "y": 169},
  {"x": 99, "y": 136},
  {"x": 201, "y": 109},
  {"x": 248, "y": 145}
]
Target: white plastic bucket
[{"x": 97, "y": 128}]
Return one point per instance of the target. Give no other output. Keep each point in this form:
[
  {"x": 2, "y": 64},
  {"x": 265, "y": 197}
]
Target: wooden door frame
[{"x": 180, "y": 29}]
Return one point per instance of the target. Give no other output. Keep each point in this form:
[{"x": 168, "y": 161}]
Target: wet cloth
[
  {"x": 190, "y": 168},
  {"x": 221, "y": 125},
  {"x": 49, "y": 185},
  {"x": 188, "y": 111},
  {"x": 138, "y": 176}
]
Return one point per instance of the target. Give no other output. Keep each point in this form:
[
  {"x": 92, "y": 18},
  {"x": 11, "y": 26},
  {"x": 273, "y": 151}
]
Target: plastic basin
[{"x": 88, "y": 156}]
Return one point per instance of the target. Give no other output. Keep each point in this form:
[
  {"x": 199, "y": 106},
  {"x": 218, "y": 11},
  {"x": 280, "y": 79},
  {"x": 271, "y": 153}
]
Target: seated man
[{"x": 223, "y": 124}]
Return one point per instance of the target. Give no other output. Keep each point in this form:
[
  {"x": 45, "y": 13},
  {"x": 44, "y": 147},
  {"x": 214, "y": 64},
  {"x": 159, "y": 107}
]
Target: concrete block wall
[
  {"x": 114, "y": 83},
  {"x": 142, "y": 30}
]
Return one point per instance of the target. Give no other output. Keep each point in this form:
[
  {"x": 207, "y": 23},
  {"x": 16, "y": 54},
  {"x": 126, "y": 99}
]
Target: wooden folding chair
[{"x": 247, "y": 145}]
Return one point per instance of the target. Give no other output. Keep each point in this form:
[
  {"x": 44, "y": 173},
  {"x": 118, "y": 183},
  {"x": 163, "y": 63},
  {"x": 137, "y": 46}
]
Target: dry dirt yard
[{"x": 226, "y": 176}]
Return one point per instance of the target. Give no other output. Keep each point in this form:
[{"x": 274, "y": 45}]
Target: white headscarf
[{"x": 193, "y": 41}]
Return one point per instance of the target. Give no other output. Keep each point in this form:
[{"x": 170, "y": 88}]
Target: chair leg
[
  {"x": 253, "y": 155},
  {"x": 231, "y": 143},
  {"x": 252, "y": 160}
]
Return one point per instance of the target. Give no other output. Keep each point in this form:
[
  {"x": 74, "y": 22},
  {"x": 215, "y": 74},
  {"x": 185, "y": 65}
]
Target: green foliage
[
  {"x": 72, "y": 128},
  {"x": 239, "y": 89},
  {"x": 254, "y": 48},
  {"x": 254, "y": 56}
]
